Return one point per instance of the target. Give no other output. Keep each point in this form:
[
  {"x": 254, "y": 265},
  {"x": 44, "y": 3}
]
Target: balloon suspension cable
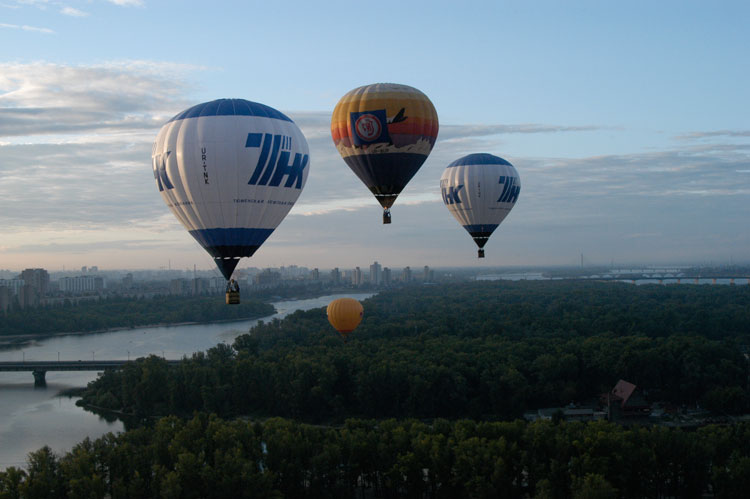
[
  {"x": 386, "y": 216},
  {"x": 480, "y": 253}
]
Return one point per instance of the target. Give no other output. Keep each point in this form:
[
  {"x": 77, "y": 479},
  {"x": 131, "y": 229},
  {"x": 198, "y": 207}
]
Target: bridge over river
[{"x": 39, "y": 368}]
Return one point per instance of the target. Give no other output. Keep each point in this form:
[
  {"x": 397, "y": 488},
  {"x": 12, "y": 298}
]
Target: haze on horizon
[{"x": 627, "y": 124}]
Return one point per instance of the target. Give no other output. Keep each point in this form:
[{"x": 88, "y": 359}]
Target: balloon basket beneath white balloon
[
  {"x": 480, "y": 253},
  {"x": 386, "y": 216},
  {"x": 233, "y": 298}
]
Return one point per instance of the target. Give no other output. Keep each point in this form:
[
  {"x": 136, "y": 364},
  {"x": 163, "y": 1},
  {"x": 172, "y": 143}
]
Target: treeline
[
  {"x": 207, "y": 457},
  {"x": 126, "y": 312},
  {"x": 487, "y": 351}
]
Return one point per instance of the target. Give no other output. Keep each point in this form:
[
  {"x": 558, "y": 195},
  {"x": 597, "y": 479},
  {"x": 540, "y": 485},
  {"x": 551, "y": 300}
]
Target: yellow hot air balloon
[{"x": 345, "y": 314}]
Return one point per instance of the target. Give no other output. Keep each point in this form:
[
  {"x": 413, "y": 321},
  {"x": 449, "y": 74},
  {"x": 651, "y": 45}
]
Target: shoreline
[
  {"x": 20, "y": 339},
  {"x": 10, "y": 341}
]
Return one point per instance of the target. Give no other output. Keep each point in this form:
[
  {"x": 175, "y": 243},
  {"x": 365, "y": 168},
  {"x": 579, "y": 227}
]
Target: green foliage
[
  {"x": 206, "y": 457},
  {"x": 471, "y": 350},
  {"x": 107, "y": 313}
]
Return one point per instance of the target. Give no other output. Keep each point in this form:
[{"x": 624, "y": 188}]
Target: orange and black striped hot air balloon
[
  {"x": 345, "y": 314},
  {"x": 384, "y": 132}
]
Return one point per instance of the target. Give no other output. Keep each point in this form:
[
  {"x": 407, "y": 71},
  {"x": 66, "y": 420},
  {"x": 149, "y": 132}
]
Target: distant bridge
[{"x": 39, "y": 368}]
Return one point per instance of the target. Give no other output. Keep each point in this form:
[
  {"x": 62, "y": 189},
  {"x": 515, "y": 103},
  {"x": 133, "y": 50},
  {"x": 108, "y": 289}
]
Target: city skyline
[{"x": 626, "y": 123}]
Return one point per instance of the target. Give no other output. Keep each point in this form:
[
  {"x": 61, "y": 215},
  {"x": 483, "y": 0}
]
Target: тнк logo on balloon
[
  {"x": 278, "y": 164},
  {"x": 159, "y": 164}
]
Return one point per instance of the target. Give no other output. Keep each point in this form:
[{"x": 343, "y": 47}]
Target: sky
[{"x": 628, "y": 122}]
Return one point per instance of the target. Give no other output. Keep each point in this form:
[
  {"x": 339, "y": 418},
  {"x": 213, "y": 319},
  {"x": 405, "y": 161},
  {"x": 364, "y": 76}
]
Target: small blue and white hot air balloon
[
  {"x": 230, "y": 170},
  {"x": 480, "y": 190}
]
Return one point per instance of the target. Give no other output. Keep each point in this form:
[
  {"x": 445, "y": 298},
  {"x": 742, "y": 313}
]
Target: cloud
[
  {"x": 711, "y": 134},
  {"x": 451, "y": 132},
  {"x": 42, "y": 98},
  {"x": 76, "y": 143},
  {"x": 73, "y": 12},
  {"x": 36, "y": 29},
  {"x": 127, "y": 3},
  {"x": 65, "y": 247}
]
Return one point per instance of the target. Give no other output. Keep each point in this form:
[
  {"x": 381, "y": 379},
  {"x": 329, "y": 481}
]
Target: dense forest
[
  {"x": 424, "y": 402},
  {"x": 206, "y": 457},
  {"x": 96, "y": 315},
  {"x": 486, "y": 351}
]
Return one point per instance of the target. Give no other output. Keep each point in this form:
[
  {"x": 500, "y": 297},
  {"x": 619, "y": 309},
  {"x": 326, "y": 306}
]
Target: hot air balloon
[
  {"x": 230, "y": 170},
  {"x": 345, "y": 314},
  {"x": 384, "y": 132},
  {"x": 480, "y": 190}
]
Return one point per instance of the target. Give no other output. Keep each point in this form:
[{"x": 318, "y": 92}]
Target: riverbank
[
  {"x": 24, "y": 339},
  {"x": 26, "y": 326},
  {"x": 14, "y": 341}
]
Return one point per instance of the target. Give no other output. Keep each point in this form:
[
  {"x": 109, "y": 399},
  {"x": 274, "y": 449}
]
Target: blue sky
[{"x": 627, "y": 121}]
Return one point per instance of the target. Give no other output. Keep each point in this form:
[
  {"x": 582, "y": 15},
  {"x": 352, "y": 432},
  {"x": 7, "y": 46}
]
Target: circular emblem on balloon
[
  {"x": 367, "y": 127},
  {"x": 384, "y": 132}
]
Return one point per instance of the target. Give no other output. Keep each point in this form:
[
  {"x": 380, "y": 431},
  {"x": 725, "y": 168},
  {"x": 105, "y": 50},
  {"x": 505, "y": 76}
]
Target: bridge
[{"x": 39, "y": 368}]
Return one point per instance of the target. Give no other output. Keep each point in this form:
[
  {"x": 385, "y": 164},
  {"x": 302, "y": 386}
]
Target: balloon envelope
[
  {"x": 384, "y": 132},
  {"x": 345, "y": 314},
  {"x": 480, "y": 190},
  {"x": 230, "y": 170}
]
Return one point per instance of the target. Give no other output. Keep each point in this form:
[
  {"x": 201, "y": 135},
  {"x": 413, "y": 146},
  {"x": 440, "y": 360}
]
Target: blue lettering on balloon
[
  {"x": 510, "y": 190},
  {"x": 450, "y": 194},
  {"x": 273, "y": 167},
  {"x": 159, "y": 164},
  {"x": 294, "y": 171}
]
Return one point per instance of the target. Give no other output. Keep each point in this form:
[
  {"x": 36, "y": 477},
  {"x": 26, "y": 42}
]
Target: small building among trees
[{"x": 625, "y": 401}]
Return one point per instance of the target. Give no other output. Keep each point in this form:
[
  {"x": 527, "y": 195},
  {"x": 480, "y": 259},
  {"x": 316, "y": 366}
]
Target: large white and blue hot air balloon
[
  {"x": 230, "y": 170},
  {"x": 480, "y": 190}
]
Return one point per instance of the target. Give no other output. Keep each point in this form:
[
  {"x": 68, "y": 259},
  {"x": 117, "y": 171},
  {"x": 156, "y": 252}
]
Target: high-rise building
[
  {"x": 357, "y": 277},
  {"x": 81, "y": 284},
  {"x": 267, "y": 279},
  {"x": 406, "y": 274},
  {"x": 386, "y": 276},
  {"x": 4, "y": 298},
  {"x": 38, "y": 279},
  {"x": 179, "y": 286},
  {"x": 336, "y": 276},
  {"x": 375, "y": 277},
  {"x": 14, "y": 285},
  {"x": 200, "y": 286},
  {"x": 315, "y": 274}
]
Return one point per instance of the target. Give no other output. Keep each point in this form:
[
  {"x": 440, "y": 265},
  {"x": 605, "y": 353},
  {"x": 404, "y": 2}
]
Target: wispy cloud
[
  {"x": 73, "y": 12},
  {"x": 449, "y": 132},
  {"x": 127, "y": 3},
  {"x": 24, "y": 27},
  {"x": 715, "y": 133},
  {"x": 42, "y": 99}
]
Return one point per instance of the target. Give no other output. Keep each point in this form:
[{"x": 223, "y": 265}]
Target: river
[{"x": 33, "y": 417}]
